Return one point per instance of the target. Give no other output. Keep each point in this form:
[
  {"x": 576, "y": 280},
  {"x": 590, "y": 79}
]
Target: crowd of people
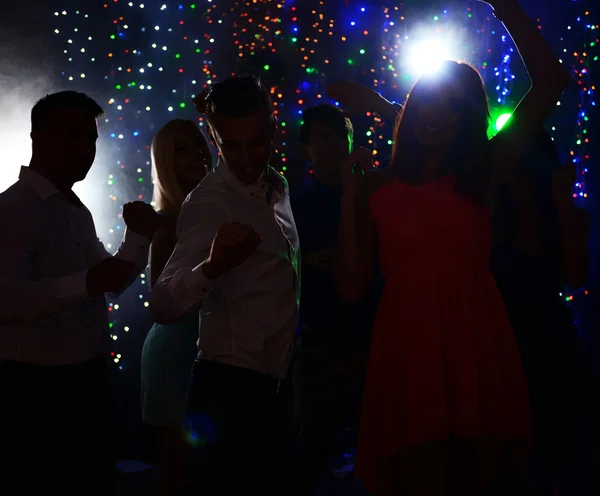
[{"x": 418, "y": 299}]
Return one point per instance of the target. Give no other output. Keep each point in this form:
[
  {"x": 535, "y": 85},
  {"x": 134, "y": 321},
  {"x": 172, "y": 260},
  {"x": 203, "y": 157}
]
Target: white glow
[{"x": 426, "y": 57}]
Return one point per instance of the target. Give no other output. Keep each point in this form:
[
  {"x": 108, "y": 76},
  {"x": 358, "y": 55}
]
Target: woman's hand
[{"x": 354, "y": 168}]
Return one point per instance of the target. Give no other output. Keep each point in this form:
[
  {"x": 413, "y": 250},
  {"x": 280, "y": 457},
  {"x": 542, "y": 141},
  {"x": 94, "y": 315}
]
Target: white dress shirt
[
  {"x": 248, "y": 317},
  {"x": 48, "y": 244}
]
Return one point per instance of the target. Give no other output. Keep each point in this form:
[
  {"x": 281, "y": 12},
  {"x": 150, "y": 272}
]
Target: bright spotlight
[
  {"x": 426, "y": 57},
  {"x": 502, "y": 120}
]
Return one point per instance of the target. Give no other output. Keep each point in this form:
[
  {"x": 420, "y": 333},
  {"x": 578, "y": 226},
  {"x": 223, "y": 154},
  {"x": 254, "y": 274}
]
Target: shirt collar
[
  {"x": 43, "y": 188},
  {"x": 256, "y": 190}
]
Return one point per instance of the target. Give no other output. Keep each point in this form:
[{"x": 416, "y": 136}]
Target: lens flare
[{"x": 426, "y": 57}]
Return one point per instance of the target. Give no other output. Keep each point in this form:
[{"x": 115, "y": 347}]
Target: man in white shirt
[
  {"x": 236, "y": 263},
  {"x": 55, "y": 418}
]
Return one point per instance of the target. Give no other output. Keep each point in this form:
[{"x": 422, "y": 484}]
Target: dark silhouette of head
[
  {"x": 242, "y": 125},
  {"x": 326, "y": 135},
  {"x": 64, "y": 131},
  {"x": 446, "y": 112}
]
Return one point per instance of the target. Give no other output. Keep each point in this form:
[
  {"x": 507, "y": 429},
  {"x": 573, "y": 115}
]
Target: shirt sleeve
[
  {"x": 182, "y": 286},
  {"x": 23, "y": 300},
  {"x": 134, "y": 248}
]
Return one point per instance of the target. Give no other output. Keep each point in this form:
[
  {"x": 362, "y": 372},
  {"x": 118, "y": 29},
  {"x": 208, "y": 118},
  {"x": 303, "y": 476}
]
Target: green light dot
[
  {"x": 362, "y": 51},
  {"x": 193, "y": 6},
  {"x": 283, "y": 124},
  {"x": 140, "y": 179},
  {"x": 390, "y": 142},
  {"x": 436, "y": 18},
  {"x": 118, "y": 86},
  {"x": 369, "y": 133},
  {"x": 177, "y": 56},
  {"x": 182, "y": 105},
  {"x": 284, "y": 168},
  {"x": 112, "y": 36},
  {"x": 266, "y": 67},
  {"x": 197, "y": 50},
  {"x": 350, "y": 61},
  {"x": 294, "y": 40}
]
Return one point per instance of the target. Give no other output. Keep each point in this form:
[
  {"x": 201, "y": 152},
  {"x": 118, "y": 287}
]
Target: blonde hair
[{"x": 168, "y": 193}]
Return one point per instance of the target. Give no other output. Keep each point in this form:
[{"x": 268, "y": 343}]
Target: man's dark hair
[
  {"x": 238, "y": 97},
  {"x": 44, "y": 110},
  {"x": 330, "y": 115}
]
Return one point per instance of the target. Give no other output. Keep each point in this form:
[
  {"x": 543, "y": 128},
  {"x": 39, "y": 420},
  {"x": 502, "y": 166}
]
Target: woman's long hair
[
  {"x": 467, "y": 159},
  {"x": 168, "y": 193}
]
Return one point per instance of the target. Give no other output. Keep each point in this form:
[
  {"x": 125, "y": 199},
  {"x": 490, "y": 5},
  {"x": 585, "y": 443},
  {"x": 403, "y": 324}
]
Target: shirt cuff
[
  {"x": 133, "y": 246},
  {"x": 192, "y": 286},
  {"x": 73, "y": 288}
]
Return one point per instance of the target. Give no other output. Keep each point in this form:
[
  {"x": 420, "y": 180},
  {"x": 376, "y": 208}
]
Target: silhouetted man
[
  {"x": 236, "y": 262},
  {"x": 55, "y": 418}
]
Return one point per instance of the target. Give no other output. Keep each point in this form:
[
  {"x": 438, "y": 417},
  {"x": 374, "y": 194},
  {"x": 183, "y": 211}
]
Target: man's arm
[
  {"x": 23, "y": 301},
  {"x": 183, "y": 284},
  {"x": 134, "y": 248}
]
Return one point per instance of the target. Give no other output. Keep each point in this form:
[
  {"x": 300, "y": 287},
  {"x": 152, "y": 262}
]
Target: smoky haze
[
  {"x": 32, "y": 58},
  {"x": 25, "y": 76}
]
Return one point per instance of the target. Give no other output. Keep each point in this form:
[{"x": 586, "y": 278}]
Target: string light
[{"x": 146, "y": 62}]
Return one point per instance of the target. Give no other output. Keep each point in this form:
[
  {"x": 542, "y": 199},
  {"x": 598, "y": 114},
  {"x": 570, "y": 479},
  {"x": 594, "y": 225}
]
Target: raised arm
[
  {"x": 207, "y": 248},
  {"x": 548, "y": 81},
  {"x": 356, "y": 250},
  {"x": 359, "y": 99},
  {"x": 142, "y": 222}
]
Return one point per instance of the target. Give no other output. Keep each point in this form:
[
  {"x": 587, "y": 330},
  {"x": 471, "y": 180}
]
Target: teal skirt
[{"x": 167, "y": 358}]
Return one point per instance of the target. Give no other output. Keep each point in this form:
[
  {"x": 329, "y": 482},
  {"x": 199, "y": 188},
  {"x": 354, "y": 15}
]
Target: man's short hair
[
  {"x": 330, "y": 115},
  {"x": 238, "y": 97},
  {"x": 45, "y": 109}
]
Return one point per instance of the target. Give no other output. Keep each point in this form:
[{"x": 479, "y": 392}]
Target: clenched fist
[
  {"x": 232, "y": 245},
  {"x": 141, "y": 218}
]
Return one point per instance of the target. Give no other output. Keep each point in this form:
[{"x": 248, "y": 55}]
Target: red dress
[{"x": 444, "y": 361}]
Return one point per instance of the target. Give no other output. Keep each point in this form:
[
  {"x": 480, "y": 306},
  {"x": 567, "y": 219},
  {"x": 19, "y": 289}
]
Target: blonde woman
[{"x": 180, "y": 160}]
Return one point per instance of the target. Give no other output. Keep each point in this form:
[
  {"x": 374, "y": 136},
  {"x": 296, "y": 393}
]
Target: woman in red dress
[{"x": 445, "y": 406}]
